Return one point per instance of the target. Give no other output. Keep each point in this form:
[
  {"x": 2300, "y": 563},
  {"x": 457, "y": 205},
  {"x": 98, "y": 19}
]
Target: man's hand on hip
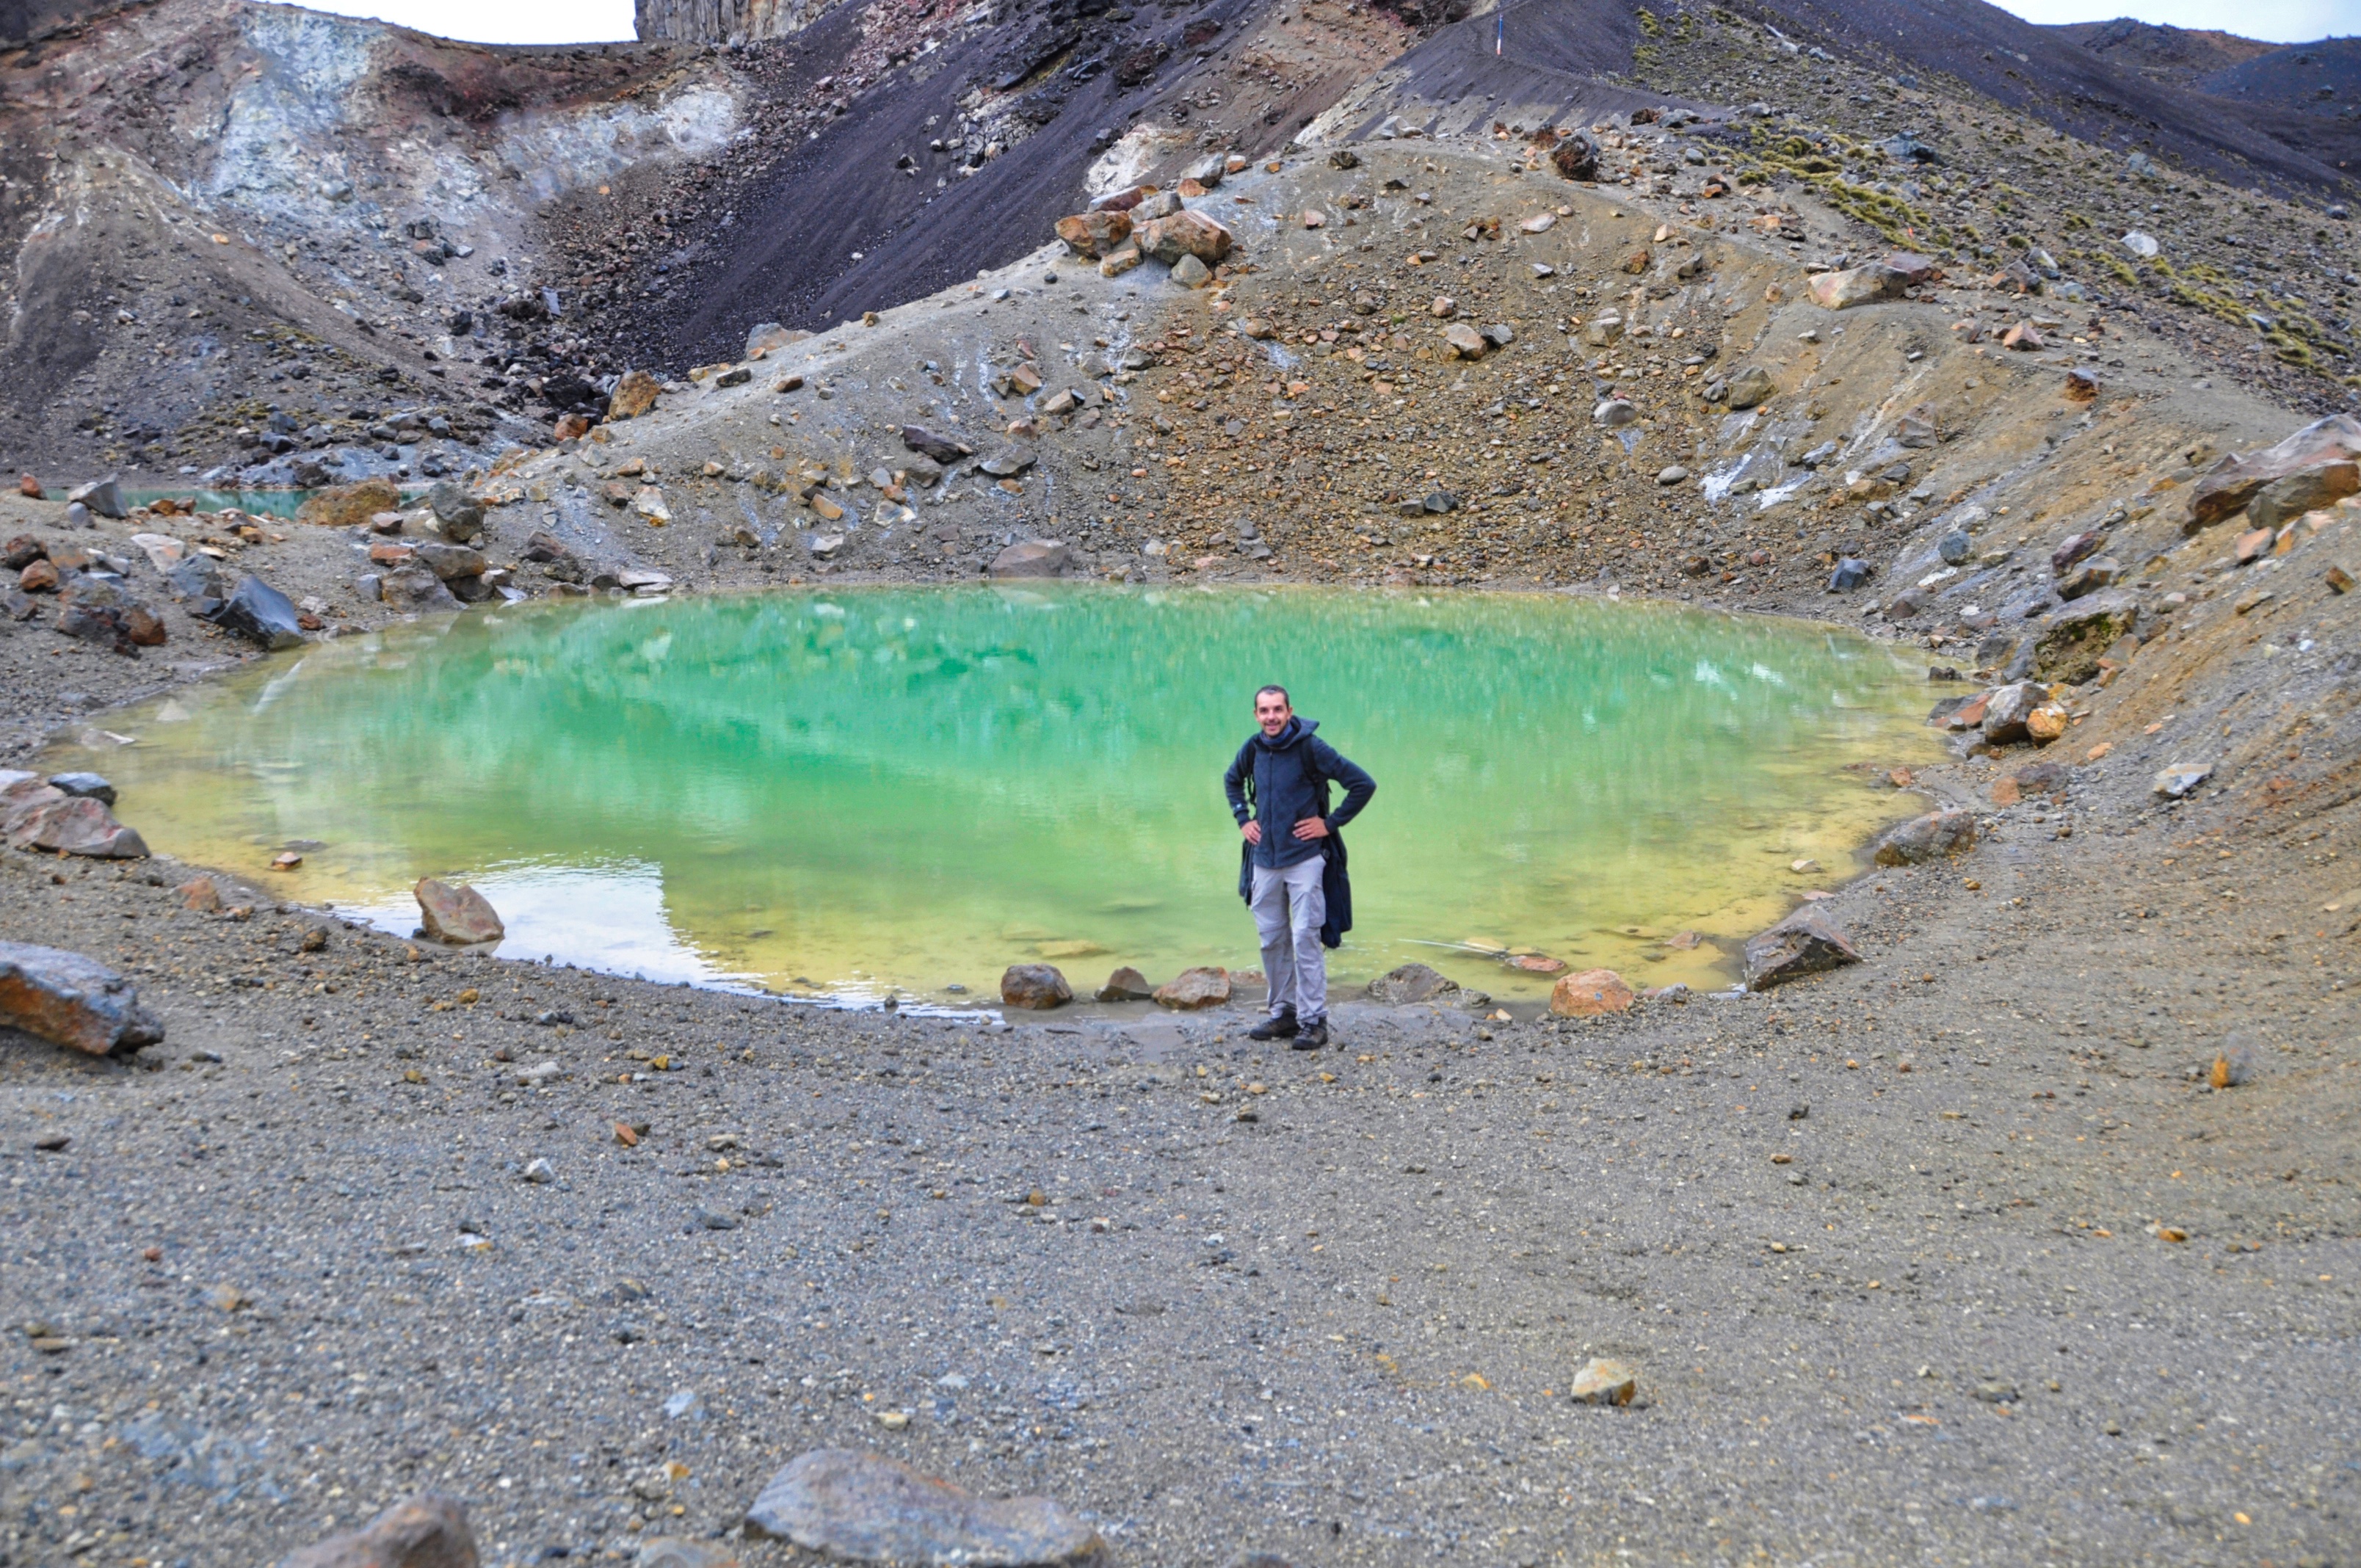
[
  {"x": 1312, "y": 828},
  {"x": 1253, "y": 830}
]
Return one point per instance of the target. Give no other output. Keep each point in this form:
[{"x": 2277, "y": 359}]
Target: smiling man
[{"x": 1291, "y": 867}]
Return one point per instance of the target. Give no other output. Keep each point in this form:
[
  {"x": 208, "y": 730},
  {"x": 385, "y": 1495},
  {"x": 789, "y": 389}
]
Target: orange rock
[
  {"x": 1590, "y": 993},
  {"x": 30, "y": 487},
  {"x": 1095, "y": 234}
]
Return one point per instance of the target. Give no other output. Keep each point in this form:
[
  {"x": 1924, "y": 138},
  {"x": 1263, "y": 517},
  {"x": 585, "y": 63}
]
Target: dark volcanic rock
[
  {"x": 1410, "y": 982},
  {"x": 1125, "y": 985},
  {"x": 257, "y": 612},
  {"x": 1807, "y": 942},
  {"x": 1039, "y": 987}
]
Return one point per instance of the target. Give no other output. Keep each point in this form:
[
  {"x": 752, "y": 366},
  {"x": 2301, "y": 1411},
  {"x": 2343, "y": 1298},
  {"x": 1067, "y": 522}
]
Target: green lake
[{"x": 873, "y": 791}]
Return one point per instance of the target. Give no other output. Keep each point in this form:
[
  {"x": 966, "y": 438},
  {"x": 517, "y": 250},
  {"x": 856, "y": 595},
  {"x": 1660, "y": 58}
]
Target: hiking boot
[
  {"x": 1281, "y": 1025},
  {"x": 1309, "y": 1039}
]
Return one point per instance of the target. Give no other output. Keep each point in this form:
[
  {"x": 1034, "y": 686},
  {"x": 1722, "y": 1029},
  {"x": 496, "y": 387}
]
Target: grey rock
[
  {"x": 424, "y": 1531},
  {"x": 72, "y": 1000},
  {"x": 416, "y": 590},
  {"x": 1410, "y": 982},
  {"x": 257, "y": 612},
  {"x": 1439, "y": 501},
  {"x": 1614, "y": 412},
  {"x": 1852, "y": 572},
  {"x": 1007, "y": 463},
  {"x": 941, "y": 448},
  {"x": 2182, "y": 779},
  {"x": 1923, "y": 839},
  {"x": 198, "y": 577},
  {"x": 2007, "y": 710},
  {"x": 1807, "y": 942},
  {"x": 869, "y": 1508},
  {"x": 1751, "y": 386},
  {"x": 91, "y": 785},
  {"x": 1955, "y": 548},
  {"x": 458, "y": 515},
  {"x": 449, "y": 561},
  {"x": 2098, "y": 572},
  {"x": 104, "y": 497},
  {"x": 1033, "y": 558}
]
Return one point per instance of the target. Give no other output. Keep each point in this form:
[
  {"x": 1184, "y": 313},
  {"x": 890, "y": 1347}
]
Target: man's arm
[
  {"x": 1358, "y": 786},
  {"x": 1234, "y": 784}
]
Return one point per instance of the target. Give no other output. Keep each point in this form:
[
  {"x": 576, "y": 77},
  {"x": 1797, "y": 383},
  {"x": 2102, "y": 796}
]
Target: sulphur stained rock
[
  {"x": 1035, "y": 987},
  {"x": 424, "y": 1531},
  {"x": 2071, "y": 639},
  {"x": 72, "y": 1000},
  {"x": 1125, "y": 985},
  {"x": 1807, "y": 942},
  {"x": 1193, "y": 989},
  {"x": 2007, "y": 708},
  {"x": 635, "y": 395},
  {"x": 1602, "y": 1382},
  {"x": 348, "y": 506},
  {"x": 1588, "y": 993},
  {"x": 456, "y": 913},
  {"x": 1923, "y": 839},
  {"x": 1094, "y": 233},
  {"x": 1410, "y": 982},
  {"x": 869, "y": 1508}
]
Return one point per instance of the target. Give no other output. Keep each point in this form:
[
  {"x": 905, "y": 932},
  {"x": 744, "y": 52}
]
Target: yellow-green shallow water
[{"x": 876, "y": 790}]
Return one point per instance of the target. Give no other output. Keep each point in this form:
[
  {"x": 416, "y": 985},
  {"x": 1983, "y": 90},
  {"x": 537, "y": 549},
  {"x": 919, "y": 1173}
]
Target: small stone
[
  {"x": 72, "y": 1000},
  {"x": 424, "y": 1531},
  {"x": 1033, "y": 558},
  {"x": 200, "y": 895},
  {"x": 1125, "y": 985},
  {"x": 2180, "y": 779},
  {"x": 456, "y": 914},
  {"x": 538, "y": 1172},
  {"x": 2235, "y": 1065},
  {"x": 635, "y": 395},
  {"x": 415, "y": 590},
  {"x": 1672, "y": 475},
  {"x": 673, "y": 1552},
  {"x": 2140, "y": 244},
  {"x": 1809, "y": 941},
  {"x": 1603, "y": 1382},
  {"x": 869, "y": 1509},
  {"x": 1749, "y": 387},
  {"x": 1444, "y": 307},
  {"x": 1037, "y": 987},
  {"x": 1463, "y": 341},
  {"x": 1614, "y": 413},
  {"x": 1851, "y": 574},
  {"x": 1190, "y": 273},
  {"x": 1855, "y": 286},
  {"x": 1195, "y": 989},
  {"x": 1589, "y": 993}
]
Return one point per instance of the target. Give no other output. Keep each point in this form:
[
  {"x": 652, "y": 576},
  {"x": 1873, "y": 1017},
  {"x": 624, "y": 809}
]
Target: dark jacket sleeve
[
  {"x": 1234, "y": 781},
  {"x": 1358, "y": 786}
]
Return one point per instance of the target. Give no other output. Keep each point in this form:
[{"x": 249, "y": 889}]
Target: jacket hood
[{"x": 1298, "y": 726}]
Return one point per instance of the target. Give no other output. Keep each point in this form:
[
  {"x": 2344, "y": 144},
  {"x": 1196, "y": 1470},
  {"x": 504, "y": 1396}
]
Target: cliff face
[{"x": 723, "y": 21}]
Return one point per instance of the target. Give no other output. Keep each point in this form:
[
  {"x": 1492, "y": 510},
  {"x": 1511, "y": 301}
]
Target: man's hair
[{"x": 1263, "y": 691}]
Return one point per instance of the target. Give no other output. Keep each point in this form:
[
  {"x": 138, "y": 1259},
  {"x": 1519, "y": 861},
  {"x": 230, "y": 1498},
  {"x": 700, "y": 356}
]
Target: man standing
[{"x": 1292, "y": 870}]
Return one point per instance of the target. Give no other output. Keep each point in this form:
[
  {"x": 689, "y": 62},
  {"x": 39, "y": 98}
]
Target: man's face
[{"x": 1272, "y": 713}]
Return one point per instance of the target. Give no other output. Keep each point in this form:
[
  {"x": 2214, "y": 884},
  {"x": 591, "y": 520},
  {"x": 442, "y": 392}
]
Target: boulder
[
  {"x": 449, "y": 561},
  {"x": 198, "y": 577},
  {"x": 1589, "y": 993},
  {"x": 1576, "y": 156},
  {"x": 72, "y": 1000},
  {"x": 1185, "y": 233},
  {"x": 58, "y": 823},
  {"x": 349, "y": 506},
  {"x": 1410, "y": 982},
  {"x": 1851, "y": 572},
  {"x": 1094, "y": 233},
  {"x": 1807, "y": 942},
  {"x": 941, "y": 448},
  {"x": 635, "y": 395},
  {"x": 1855, "y": 286},
  {"x": 457, "y": 515},
  {"x": 1125, "y": 985},
  {"x": 104, "y": 497},
  {"x": 2007, "y": 708},
  {"x": 1955, "y": 548},
  {"x": 1195, "y": 989},
  {"x": 1927, "y": 838},
  {"x": 868, "y": 1508},
  {"x": 92, "y": 785},
  {"x": 2072, "y": 638},
  {"x": 1037, "y": 987},
  {"x": 163, "y": 551},
  {"x": 2023, "y": 338},
  {"x": 417, "y": 590},
  {"x": 456, "y": 913},
  {"x": 1032, "y": 558},
  {"x": 1751, "y": 386},
  {"x": 2235, "y": 480},
  {"x": 424, "y": 1531},
  {"x": 2284, "y": 499},
  {"x": 23, "y": 551},
  {"x": 257, "y": 612}
]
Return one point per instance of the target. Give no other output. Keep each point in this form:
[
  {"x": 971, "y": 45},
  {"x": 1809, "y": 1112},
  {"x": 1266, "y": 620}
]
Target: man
[{"x": 1292, "y": 870}]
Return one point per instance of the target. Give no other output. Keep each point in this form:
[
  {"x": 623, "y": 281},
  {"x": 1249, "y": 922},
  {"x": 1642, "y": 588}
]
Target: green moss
[{"x": 1649, "y": 25}]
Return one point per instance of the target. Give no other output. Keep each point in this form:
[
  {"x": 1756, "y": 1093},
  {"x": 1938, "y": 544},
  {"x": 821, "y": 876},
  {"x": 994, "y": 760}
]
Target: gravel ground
[{"x": 1216, "y": 1296}]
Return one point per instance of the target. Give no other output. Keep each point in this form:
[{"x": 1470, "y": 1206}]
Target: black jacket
[{"x": 1285, "y": 779}]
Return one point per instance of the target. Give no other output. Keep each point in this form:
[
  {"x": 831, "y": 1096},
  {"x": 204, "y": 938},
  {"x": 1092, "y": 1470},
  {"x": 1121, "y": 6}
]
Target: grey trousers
[{"x": 1289, "y": 908}]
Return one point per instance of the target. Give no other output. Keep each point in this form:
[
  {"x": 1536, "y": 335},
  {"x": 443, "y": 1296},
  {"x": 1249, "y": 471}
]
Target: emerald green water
[{"x": 874, "y": 790}]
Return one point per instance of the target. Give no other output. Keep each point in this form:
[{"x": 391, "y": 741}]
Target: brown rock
[
  {"x": 869, "y": 1508},
  {"x": 1465, "y": 341},
  {"x": 1807, "y": 942},
  {"x": 1125, "y": 985},
  {"x": 1927, "y": 838},
  {"x": 2082, "y": 387},
  {"x": 456, "y": 913},
  {"x": 1854, "y": 286},
  {"x": 2310, "y": 490},
  {"x": 23, "y": 551},
  {"x": 40, "y": 577},
  {"x": 1094, "y": 233},
  {"x": 2007, "y": 708},
  {"x": 2023, "y": 337},
  {"x": 1035, "y": 987},
  {"x": 1589, "y": 993},
  {"x": 415, "y": 589},
  {"x": 2006, "y": 791},
  {"x": 30, "y": 487},
  {"x": 635, "y": 395},
  {"x": 1185, "y": 233},
  {"x": 200, "y": 895},
  {"x": 73, "y": 1000},
  {"x": 672, "y": 1552},
  {"x": 1032, "y": 558},
  {"x": 1635, "y": 262},
  {"x": 1193, "y": 989},
  {"x": 424, "y": 1531},
  {"x": 349, "y": 506},
  {"x": 74, "y": 826},
  {"x": 2231, "y": 483},
  {"x": 449, "y": 561}
]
